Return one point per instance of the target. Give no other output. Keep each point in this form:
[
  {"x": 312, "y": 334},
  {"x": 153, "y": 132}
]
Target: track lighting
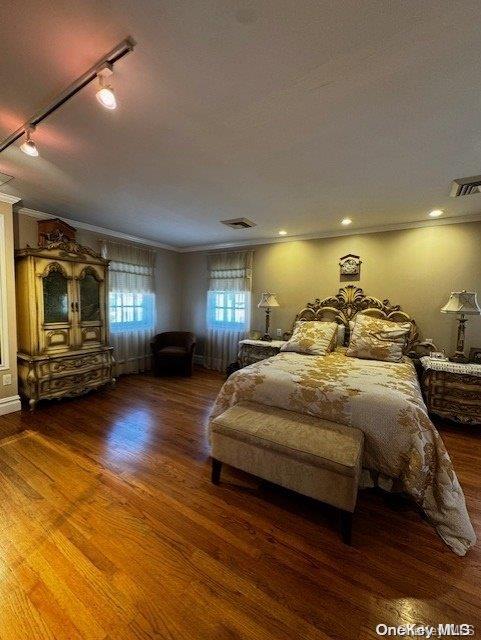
[
  {"x": 105, "y": 95},
  {"x": 102, "y": 71},
  {"x": 29, "y": 147}
]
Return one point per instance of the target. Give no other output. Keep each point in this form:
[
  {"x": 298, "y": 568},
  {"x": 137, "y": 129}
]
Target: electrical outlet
[
  {"x": 279, "y": 333},
  {"x": 7, "y": 379}
]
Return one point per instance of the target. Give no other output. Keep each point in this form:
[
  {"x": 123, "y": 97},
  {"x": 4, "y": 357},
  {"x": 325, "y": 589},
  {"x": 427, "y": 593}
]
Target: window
[
  {"x": 228, "y": 310},
  {"x": 130, "y": 311}
]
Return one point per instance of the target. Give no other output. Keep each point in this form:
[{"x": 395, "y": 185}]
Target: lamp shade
[
  {"x": 462, "y": 302},
  {"x": 268, "y": 300}
]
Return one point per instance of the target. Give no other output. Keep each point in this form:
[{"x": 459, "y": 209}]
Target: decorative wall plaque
[{"x": 350, "y": 265}]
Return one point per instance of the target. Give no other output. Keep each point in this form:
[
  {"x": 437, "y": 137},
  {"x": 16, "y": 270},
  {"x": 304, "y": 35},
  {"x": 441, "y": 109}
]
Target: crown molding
[
  {"x": 33, "y": 213},
  {"x": 5, "y": 197},
  {"x": 416, "y": 224}
]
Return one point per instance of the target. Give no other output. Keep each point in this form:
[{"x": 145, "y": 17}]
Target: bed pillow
[
  {"x": 378, "y": 339},
  {"x": 312, "y": 338}
]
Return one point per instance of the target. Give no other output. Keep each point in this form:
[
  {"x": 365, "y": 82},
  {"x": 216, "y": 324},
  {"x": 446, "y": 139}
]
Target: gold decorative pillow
[
  {"x": 378, "y": 339},
  {"x": 312, "y": 338}
]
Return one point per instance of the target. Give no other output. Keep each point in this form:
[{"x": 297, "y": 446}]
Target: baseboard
[{"x": 9, "y": 405}]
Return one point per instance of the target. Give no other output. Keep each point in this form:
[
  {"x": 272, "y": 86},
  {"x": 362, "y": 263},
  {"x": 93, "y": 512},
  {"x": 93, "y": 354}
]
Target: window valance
[{"x": 230, "y": 271}]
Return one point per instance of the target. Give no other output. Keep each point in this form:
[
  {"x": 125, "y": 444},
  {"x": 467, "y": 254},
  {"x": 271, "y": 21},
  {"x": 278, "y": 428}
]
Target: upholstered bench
[{"x": 315, "y": 457}]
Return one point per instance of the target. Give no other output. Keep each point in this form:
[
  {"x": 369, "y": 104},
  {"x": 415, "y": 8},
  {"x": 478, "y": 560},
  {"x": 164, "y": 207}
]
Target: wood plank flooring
[{"x": 111, "y": 529}]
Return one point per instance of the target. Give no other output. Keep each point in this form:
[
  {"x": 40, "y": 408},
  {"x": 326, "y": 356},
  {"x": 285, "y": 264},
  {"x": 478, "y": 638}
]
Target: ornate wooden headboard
[{"x": 351, "y": 300}]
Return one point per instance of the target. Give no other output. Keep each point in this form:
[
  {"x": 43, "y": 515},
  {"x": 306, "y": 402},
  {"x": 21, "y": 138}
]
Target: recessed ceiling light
[
  {"x": 436, "y": 213},
  {"x": 283, "y": 232},
  {"x": 346, "y": 221}
]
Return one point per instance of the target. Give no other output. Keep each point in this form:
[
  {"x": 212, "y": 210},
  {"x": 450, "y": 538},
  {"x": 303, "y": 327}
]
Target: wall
[
  {"x": 167, "y": 277},
  {"x": 415, "y": 268},
  {"x": 9, "y": 400}
]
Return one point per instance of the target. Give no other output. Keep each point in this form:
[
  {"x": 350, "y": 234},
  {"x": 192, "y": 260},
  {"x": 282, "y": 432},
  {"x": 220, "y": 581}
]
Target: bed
[{"x": 403, "y": 450}]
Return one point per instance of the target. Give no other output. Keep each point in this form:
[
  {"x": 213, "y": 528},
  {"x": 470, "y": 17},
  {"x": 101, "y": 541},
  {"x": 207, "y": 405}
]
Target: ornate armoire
[{"x": 63, "y": 339}]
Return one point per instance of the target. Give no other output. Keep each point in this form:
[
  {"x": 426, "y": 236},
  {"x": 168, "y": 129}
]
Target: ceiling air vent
[
  {"x": 239, "y": 223},
  {"x": 465, "y": 186}
]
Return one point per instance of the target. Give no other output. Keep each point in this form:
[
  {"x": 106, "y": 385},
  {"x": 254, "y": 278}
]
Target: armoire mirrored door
[
  {"x": 57, "y": 309},
  {"x": 89, "y": 308}
]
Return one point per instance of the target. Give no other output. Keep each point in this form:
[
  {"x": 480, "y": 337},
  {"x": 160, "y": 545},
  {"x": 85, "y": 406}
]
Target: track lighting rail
[{"x": 118, "y": 52}]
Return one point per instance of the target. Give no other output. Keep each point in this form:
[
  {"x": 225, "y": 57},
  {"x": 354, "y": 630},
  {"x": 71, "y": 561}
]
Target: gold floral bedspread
[{"x": 384, "y": 400}]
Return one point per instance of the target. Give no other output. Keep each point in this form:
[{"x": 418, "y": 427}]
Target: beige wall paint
[
  {"x": 194, "y": 283},
  {"x": 415, "y": 268},
  {"x": 9, "y": 392},
  {"x": 167, "y": 277}
]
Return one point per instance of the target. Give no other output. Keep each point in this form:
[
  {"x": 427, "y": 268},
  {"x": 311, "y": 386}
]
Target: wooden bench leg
[
  {"x": 216, "y": 469},
  {"x": 346, "y": 526}
]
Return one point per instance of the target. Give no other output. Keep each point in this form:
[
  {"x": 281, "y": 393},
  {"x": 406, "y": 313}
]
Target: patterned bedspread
[{"x": 384, "y": 400}]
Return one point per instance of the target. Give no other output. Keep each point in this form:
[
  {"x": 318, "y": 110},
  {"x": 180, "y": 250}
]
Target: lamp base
[
  {"x": 266, "y": 338},
  {"x": 458, "y": 355}
]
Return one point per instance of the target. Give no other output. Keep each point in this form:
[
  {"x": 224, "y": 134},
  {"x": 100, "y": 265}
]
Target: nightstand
[
  {"x": 452, "y": 390},
  {"x": 251, "y": 351}
]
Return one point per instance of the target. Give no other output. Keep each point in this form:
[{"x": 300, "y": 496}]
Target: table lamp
[
  {"x": 268, "y": 302},
  {"x": 462, "y": 303}
]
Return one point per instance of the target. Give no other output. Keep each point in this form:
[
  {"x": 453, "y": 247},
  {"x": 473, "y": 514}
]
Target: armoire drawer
[
  {"x": 74, "y": 383},
  {"x": 84, "y": 361}
]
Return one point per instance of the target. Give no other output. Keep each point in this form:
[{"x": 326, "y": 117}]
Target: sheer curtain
[
  {"x": 131, "y": 304},
  {"x": 228, "y": 272}
]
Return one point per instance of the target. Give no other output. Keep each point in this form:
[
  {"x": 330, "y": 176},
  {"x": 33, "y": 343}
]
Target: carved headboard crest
[{"x": 343, "y": 307}]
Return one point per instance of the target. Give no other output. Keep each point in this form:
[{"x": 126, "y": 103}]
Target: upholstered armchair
[{"x": 173, "y": 353}]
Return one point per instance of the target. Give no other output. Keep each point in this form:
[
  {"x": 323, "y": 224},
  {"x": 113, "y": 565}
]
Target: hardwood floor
[{"x": 111, "y": 528}]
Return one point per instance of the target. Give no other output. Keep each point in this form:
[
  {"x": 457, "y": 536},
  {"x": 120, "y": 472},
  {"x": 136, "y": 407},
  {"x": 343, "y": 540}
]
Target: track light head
[
  {"x": 105, "y": 95},
  {"x": 28, "y": 146}
]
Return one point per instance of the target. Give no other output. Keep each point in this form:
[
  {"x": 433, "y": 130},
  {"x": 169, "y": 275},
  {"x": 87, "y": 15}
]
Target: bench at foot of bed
[{"x": 314, "y": 457}]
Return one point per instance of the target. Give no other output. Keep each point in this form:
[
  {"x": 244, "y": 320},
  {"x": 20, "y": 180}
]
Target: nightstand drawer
[
  {"x": 454, "y": 395},
  {"x": 251, "y": 351},
  {"x": 459, "y": 410}
]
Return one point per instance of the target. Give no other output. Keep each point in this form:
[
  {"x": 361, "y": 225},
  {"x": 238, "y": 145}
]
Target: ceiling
[{"x": 293, "y": 113}]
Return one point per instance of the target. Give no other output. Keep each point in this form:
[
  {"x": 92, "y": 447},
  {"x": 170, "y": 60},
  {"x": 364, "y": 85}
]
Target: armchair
[{"x": 173, "y": 353}]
